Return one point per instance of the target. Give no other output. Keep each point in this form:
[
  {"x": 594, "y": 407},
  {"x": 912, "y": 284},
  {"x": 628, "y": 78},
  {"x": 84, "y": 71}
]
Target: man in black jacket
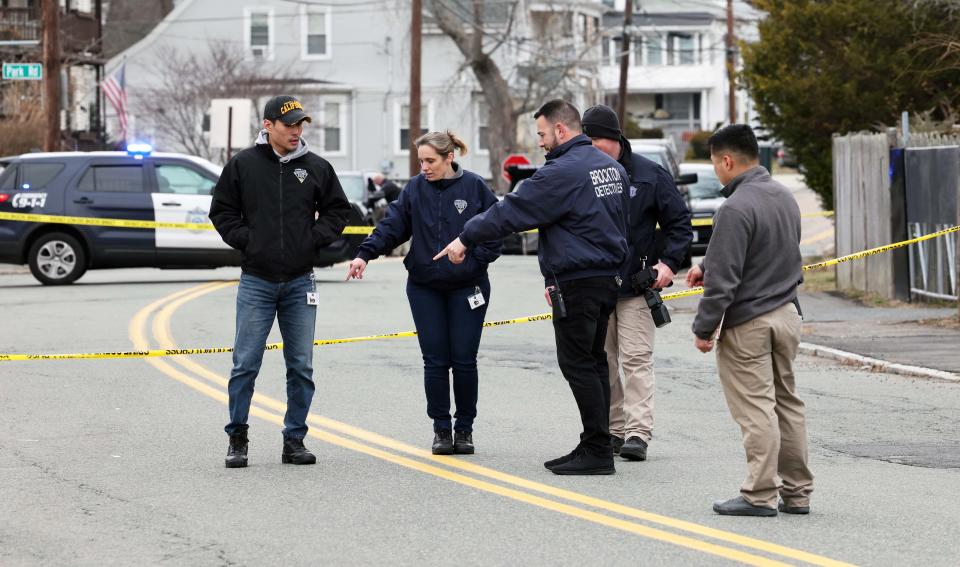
[
  {"x": 577, "y": 201},
  {"x": 277, "y": 203},
  {"x": 654, "y": 199}
]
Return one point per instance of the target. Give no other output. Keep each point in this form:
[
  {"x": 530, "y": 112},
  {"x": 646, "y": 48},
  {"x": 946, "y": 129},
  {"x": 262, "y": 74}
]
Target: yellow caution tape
[
  {"x": 880, "y": 249},
  {"x": 126, "y": 223},
  {"x": 403, "y": 334},
  {"x": 222, "y": 350},
  {"x": 116, "y": 223}
]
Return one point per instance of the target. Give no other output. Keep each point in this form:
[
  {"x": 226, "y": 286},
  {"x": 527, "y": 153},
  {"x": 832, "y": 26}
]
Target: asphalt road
[{"x": 115, "y": 462}]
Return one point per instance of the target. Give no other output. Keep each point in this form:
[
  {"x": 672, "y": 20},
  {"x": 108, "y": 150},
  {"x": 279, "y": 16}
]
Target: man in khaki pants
[
  {"x": 653, "y": 200},
  {"x": 750, "y": 277}
]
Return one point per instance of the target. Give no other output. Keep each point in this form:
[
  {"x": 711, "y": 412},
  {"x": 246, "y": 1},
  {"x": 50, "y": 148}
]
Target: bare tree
[
  {"x": 186, "y": 83},
  {"x": 552, "y": 63}
]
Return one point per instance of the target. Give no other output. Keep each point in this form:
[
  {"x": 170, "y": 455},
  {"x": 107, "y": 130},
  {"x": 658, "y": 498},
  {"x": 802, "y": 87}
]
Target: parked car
[
  {"x": 786, "y": 157},
  {"x": 525, "y": 242},
  {"x": 664, "y": 156},
  {"x": 704, "y": 199},
  {"x": 134, "y": 185}
]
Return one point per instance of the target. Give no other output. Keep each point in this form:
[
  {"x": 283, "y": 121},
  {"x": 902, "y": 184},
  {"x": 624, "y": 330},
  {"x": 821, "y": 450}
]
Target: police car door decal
[
  {"x": 184, "y": 197},
  {"x": 168, "y": 207}
]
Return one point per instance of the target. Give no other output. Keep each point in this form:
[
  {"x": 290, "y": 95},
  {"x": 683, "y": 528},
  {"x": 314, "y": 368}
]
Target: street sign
[
  {"x": 23, "y": 71},
  {"x": 514, "y": 159}
]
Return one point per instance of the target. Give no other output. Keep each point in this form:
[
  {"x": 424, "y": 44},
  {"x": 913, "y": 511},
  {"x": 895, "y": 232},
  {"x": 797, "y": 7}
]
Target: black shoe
[
  {"x": 740, "y": 507},
  {"x": 294, "y": 453},
  {"x": 560, "y": 460},
  {"x": 782, "y": 506},
  {"x": 443, "y": 442},
  {"x": 617, "y": 442},
  {"x": 585, "y": 464},
  {"x": 463, "y": 443},
  {"x": 237, "y": 451},
  {"x": 635, "y": 449}
]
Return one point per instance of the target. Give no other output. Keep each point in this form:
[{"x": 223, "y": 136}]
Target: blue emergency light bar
[{"x": 138, "y": 151}]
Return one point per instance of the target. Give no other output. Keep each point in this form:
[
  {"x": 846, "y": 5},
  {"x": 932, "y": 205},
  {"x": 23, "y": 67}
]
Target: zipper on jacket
[
  {"x": 281, "y": 216},
  {"x": 439, "y": 224}
]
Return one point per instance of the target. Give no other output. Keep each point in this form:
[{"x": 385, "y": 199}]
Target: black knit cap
[{"x": 601, "y": 121}]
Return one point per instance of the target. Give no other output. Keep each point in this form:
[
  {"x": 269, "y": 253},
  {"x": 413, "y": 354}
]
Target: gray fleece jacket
[{"x": 753, "y": 262}]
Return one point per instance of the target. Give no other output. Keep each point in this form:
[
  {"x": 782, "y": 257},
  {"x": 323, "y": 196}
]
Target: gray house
[{"x": 349, "y": 63}]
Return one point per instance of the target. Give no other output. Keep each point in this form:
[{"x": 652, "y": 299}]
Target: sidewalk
[{"x": 891, "y": 334}]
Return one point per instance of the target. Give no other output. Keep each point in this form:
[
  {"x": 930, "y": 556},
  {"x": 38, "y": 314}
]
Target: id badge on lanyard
[{"x": 476, "y": 300}]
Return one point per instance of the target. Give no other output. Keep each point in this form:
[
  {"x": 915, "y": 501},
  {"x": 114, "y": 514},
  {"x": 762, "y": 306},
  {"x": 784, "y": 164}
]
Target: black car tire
[{"x": 57, "y": 259}]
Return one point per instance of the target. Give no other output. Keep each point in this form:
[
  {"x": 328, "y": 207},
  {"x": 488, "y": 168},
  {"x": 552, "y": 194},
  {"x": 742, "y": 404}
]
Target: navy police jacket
[
  {"x": 433, "y": 213},
  {"x": 654, "y": 200},
  {"x": 577, "y": 200}
]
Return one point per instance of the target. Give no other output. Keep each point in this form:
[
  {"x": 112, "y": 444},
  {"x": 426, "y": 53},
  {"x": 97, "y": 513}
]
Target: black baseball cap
[{"x": 286, "y": 109}]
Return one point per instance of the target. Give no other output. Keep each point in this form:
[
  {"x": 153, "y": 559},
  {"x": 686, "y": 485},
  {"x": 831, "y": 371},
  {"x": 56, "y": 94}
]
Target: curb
[{"x": 875, "y": 364}]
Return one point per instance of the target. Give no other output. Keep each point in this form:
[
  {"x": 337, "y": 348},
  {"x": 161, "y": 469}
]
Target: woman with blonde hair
[{"x": 448, "y": 301}]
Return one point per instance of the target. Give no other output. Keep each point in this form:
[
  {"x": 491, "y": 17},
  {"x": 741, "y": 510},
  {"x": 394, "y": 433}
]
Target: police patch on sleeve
[
  {"x": 461, "y": 205},
  {"x": 301, "y": 174}
]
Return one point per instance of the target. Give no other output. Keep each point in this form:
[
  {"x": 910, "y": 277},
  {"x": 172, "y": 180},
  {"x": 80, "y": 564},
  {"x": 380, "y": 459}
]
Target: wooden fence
[{"x": 861, "y": 192}]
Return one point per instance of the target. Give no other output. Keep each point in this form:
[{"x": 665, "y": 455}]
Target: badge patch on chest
[
  {"x": 301, "y": 174},
  {"x": 461, "y": 205}
]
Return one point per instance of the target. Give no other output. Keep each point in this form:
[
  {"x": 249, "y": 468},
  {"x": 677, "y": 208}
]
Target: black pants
[
  {"x": 580, "y": 338},
  {"x": 449, "y": 334}
]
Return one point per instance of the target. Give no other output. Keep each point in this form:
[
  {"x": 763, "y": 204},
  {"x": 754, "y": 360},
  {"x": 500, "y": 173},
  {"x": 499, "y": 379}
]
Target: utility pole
[
  {"x": 98, "y": 116},
  {"x": 624, "y": 64},
  {"x": 731, "y": 64},
  {"x": 51, "y": 75},
  {"x": 416, "y": 28}
]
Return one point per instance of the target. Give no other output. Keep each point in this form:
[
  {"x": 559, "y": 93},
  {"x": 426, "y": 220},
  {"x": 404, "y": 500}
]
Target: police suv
[{"x": 135, "y": 185}]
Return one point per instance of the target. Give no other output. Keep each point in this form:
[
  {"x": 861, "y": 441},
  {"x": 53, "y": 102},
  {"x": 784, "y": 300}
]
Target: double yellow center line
[{"x": 685, "y": 534}]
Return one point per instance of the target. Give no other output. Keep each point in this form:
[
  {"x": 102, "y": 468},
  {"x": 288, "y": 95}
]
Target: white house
[
  {"x": 354, "y": 61},
  {"x": 677, "y": 79}
]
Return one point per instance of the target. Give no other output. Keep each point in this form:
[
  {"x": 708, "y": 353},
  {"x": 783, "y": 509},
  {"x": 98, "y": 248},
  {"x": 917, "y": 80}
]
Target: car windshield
[
  {"x": 706, "y": 187},
  {"x": 353, "y": 187}
]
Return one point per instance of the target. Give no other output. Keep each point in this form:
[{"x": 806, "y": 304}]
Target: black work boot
[
  {"x": 560, "y": 460},
  {"x": 783, "y": 507},
  {"x": 617, "y": 442},
  {"x": 294, "y": 453},
  {"x": 635, "y": 449},
  {"x": 443, "y": 442},
  {"x": 585, "y": 464},
  {"x": 739, "y": 506},
  {"x": 463, "y": 443},
  {"x": 237, "y": 451}
]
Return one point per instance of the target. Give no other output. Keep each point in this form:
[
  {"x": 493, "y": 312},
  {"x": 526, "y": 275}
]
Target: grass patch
[{"x": 824, "y": 279}]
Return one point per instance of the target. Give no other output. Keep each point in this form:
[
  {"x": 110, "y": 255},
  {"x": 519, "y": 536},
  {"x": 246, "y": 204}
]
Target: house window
[
  {"x": 483, "y": 128},
  {"x": 636, "y": 45},
  {"x": 404, "y": 141},
  {"x": 316, "y": 32},
  {"x": 680, "y": 49},
  {"x": 654, "y": 50},
  {"x": 259, "y": 33},
  {"x": 332, "y": 127}
]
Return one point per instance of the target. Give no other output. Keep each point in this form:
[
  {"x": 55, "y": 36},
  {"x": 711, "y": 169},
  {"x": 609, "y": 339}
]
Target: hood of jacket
[{"x": 301, "y": 149}]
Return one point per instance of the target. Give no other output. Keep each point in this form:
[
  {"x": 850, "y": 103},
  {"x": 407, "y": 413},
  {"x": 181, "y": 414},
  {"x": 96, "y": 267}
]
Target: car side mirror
[{"x": 687, "y": 179}]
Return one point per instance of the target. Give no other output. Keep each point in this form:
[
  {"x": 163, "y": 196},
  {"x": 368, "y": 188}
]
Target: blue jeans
[
  {"x": 449, "y": 334},
  {"x": 259, "y": 302}
]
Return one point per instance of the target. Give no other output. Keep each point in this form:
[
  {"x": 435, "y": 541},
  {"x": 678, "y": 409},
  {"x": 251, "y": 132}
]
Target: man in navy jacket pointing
[{"x": 577, "y": 200}]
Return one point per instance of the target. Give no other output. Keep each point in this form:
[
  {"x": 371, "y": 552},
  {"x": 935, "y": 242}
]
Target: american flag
[{"x": 115, "y": 89}]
